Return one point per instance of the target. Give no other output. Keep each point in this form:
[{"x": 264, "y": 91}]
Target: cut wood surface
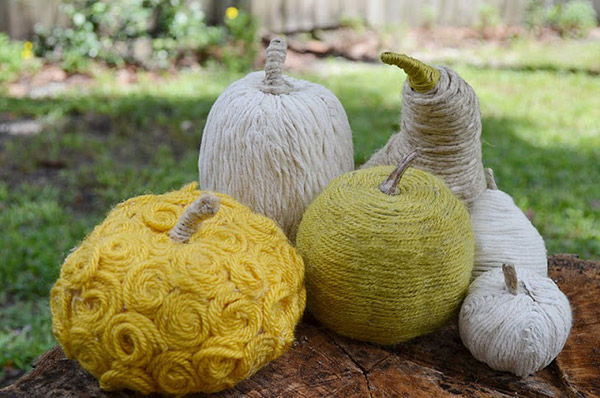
[{"x": 323, "y": 364}]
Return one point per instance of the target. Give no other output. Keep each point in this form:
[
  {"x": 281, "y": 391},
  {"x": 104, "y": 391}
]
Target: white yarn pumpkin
[
  {"x": 519, "y": 327},
  {"x": 504, "y": 234},
  {"x": 274, "y": 142}
]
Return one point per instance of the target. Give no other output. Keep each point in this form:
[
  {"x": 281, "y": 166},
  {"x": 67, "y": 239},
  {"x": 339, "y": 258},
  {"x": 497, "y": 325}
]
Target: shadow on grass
[
  {"x": 558, "y": 187},
  {"x": 548, "y": 67},
  {"x": 96, "y": 143},
  {"x": 98, "y": 151},
  {"x": 92, "y": 154}
]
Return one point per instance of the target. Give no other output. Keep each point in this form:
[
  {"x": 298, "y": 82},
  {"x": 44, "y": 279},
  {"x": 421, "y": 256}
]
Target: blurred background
[{"x": 102, "y": 100}]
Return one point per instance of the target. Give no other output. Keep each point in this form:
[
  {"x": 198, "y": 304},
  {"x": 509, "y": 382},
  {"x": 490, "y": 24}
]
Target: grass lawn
[{"x": 541, "y": 135}]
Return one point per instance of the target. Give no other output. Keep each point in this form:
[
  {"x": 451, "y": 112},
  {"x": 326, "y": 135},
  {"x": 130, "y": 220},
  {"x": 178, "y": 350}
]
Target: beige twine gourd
[
  {"x": 441, "y": 119},
  {"x": 515, "y": 325},
  {"x": 503, "y": 234},
  {"x": 274, "y": 142}
]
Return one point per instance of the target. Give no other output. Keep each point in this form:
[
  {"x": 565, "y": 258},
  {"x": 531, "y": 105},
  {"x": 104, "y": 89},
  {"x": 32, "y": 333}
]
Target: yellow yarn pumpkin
[
  {"x": 141, "y": 311},
  {"x": 384, "y": 267}
]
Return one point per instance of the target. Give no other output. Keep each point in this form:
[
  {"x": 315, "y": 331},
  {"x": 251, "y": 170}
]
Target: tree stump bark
[{"x": 323, "y": 364}]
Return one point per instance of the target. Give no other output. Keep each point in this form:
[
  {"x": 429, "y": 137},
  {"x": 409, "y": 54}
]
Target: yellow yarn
[
  {"x": 140, "y": 311},
  {"x": 386, "y": 268},
  {"x": 421, "y": 77}
]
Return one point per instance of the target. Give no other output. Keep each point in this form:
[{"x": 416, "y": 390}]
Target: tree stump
[{"x": 323, "y": 364}]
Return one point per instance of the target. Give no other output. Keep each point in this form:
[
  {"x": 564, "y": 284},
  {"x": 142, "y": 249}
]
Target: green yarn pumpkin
[{"x": 382, "y": 267}]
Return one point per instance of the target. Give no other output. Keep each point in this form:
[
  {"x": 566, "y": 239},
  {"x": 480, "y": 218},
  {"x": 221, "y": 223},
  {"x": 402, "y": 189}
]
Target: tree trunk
[{"x": 323, "y": 364}]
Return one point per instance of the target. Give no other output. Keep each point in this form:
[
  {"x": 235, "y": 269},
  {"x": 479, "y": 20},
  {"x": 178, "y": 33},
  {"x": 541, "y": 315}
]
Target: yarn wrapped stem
[
  {"x": 510, "y": 278},
  {"x": 390, "y": 184},
  {"x": 421, "y": 77},
  {"x": 203, "y": 208},
  {"x": 273, "y": 82},
  {"x": 489, "y": 178}
]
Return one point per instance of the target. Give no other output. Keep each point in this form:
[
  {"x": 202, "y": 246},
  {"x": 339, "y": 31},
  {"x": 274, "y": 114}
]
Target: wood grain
[
  {"x": 323, "y": 364},
  {"x": 578, "y": 365}
]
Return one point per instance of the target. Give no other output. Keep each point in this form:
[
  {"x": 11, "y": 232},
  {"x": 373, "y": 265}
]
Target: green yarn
[
  {"x": 421, "y": 77},
  {"x": 386, "y": 268}
]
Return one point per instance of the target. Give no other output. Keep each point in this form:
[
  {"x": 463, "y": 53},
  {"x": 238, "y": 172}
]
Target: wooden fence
[
  {"x": 18, "y": 17},
  {"x": 285, "y": 15}
]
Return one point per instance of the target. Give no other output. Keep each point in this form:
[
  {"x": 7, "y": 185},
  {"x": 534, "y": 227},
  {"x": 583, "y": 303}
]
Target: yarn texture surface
[
  {"x": 140, "y": 311},
  {"x": 519, "y": 333},
  {"x": 420, "y": 77},
  {"x": 444, "y": 124},
  {"x": 503, "y": 234},
  {"x": 274, "y": 142},
  {"x": 386, "y": 268}
]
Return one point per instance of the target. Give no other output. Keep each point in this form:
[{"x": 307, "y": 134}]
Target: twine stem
[
  {"x": 510, "y": 277},
  {"x": 390, "y": 184},
  {"x": 489, "y": 178},
  {"x": 203, "y": 208},
  {"x": 276, "y": 53}
]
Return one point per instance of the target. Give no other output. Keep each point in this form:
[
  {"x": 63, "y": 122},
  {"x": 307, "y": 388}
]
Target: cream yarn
[
  {"x": 513, "y": 326},
  {"x": 274, "y": 142},
  {"x": 443, "y": 124},
  {"x": 503, "y": 234}
]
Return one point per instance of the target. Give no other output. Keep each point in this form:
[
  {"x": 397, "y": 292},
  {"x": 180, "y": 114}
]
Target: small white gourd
[
  {"x": 515, "y": 325},
  {"x": 274, "y": 142},
  {"x": 504, "y": 234}
]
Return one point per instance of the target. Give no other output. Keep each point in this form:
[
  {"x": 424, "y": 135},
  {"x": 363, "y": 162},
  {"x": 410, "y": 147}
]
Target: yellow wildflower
[
  {"x": 27, "y": 51},
  {"x": 231, "y": 13}
]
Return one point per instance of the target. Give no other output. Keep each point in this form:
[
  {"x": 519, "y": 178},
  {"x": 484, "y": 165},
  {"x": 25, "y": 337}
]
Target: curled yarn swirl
[{"x": 143, "y": 312}]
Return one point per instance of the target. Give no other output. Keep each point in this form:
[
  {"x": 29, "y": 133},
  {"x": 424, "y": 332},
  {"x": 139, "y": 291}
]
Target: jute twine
[
  {"x": 141, "y": 309},
  {"x": 386, "y": 267},
  {"x": 444, "y": 124},
  {"x": 515, "y": 320},
  {"x": 274, "y": 142},
  {"x": 274, "y": 82}
]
